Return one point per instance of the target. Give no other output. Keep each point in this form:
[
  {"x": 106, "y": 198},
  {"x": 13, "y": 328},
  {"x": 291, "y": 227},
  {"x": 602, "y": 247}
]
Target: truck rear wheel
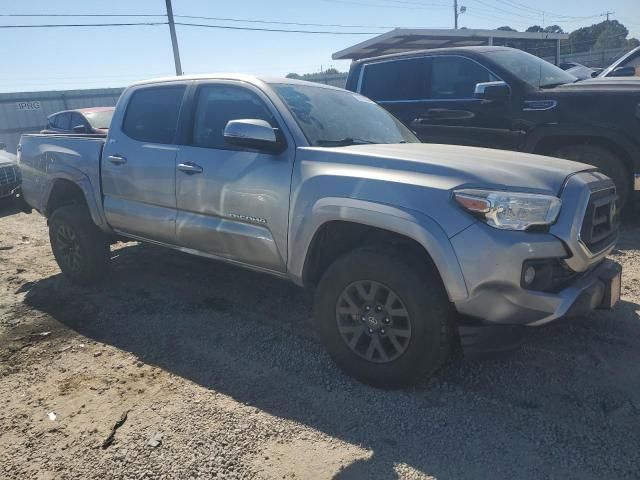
[
  {"x": 607, "y": 162},
  {"x": 79, "y": 246},
  {"x": 382, "y": 320}
]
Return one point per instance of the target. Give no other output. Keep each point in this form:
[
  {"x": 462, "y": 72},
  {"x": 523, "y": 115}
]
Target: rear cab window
[{"x": 152, "y": 114}]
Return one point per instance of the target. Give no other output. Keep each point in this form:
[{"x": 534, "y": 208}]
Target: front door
[
  {"x": 139, "y": 165},
  {"x": 233, "y": 202},
  {"x": 435, "y": 97}
]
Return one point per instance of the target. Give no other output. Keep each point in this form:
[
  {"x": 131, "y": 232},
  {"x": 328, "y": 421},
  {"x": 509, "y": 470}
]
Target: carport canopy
[{"x": 408, "y": 39}]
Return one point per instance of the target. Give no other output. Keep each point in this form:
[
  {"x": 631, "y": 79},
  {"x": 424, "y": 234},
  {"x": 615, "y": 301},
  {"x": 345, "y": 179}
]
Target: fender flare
[
  {"x": 541, "y": 133},
  {"x": 82, "y": 181},
  {"x": 409, "y": 223}
]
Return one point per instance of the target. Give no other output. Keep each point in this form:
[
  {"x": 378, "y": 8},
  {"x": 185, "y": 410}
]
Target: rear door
[
  {"x": 233, "y": 202},
  {"x": 139, "y": 164},
  {"x": 435, "y": 97}
]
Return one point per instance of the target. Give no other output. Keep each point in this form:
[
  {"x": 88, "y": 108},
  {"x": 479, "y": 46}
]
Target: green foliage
[
  {"x": 583, "y": 39},
  {"x": 553, "y": 29},
  {"x": 535, "y": 29},
  {"x": 506, "y": 28}
]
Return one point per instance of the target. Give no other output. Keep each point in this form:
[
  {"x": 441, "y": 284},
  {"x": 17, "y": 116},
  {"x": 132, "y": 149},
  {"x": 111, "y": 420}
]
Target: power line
[
  {"x": 81, "y": 15},
  {"x": 272, "y": 22},
  {"x": 280, "y": 30},
  {"x": 225, "y": 19},
  {"x": 410, "y": 6},
  {"x": 520, "y": 6},
  {"x": 59, "y": 25}
]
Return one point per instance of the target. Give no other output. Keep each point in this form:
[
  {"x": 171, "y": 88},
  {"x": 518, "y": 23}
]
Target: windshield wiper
[{"x": 343, "y": 142}]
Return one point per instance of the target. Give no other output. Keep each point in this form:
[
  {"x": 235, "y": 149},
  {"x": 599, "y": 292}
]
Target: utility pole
[
  {"x": 607, "y": 13},
  {"x": 455, "y": 14},
  {"x": 174, "y": 39}
]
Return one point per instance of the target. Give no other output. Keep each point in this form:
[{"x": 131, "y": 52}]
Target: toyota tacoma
[{"x": 410, "y": 247}]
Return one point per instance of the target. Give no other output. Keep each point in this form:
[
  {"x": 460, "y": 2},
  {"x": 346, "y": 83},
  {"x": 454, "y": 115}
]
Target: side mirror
[
  {"x": 623, "y": 72},
  {"x": 79, "y": 129},
  {"x": 253, "y": 133},
  {"x": 3, "y": 146},
  {"x": 492, "y": 90}
]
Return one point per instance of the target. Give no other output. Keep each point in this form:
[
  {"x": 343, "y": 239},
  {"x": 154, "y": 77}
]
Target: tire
[
  {"x": 79, "y": 246},
  {"x": 606, "y": 161},
  {"x": 430, "y": 318}
]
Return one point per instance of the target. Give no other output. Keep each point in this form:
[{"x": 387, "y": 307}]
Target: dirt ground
[{"x": 212, "y": 371}]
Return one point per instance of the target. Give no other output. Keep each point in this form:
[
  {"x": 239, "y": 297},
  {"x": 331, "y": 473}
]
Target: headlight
[{"x": 509, "y": 210}]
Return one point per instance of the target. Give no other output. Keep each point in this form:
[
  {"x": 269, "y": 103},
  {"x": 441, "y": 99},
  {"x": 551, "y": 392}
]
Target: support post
[{"x": 174, "y": 39}]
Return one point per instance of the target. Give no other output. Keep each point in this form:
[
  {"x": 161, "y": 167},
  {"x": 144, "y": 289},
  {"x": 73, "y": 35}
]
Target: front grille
[
  {"x": 9, "y": 175},
  {"x": 600, "y": 224}
]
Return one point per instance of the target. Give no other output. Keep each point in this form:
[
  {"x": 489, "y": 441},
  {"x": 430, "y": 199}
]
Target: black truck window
[
  {"x": 403, "y": 79},
  {"x": 456, "y": 77}
]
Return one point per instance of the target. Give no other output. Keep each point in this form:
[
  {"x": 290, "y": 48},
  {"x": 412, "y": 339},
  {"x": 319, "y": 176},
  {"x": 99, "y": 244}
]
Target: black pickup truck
[{"x": 504, "y": 98}]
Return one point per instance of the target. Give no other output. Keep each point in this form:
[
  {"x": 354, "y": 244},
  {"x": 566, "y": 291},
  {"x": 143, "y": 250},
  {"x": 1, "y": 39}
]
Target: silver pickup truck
[{"x": 410, "y": 247}]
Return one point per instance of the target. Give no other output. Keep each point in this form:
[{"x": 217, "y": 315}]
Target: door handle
[
  {"x": 117, "y": 159},
  {"x": 190, "y": 168}
]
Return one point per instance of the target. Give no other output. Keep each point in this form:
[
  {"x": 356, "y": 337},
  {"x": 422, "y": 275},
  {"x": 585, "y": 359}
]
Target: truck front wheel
[
  {"x": 383, "y": 320},
  {"x": 79, "y": 246}
]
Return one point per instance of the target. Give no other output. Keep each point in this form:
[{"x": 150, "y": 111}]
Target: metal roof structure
[{"x": 407, "y": 39}]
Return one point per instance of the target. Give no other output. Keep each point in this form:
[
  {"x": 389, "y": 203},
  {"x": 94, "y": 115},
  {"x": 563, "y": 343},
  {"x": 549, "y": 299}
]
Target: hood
[
  {"x": 601, "y": 84},
  {"x": 450, "y": 166},
  {"x": 7, "y": 158}
]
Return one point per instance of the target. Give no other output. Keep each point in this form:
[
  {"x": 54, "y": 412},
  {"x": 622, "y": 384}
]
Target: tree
[
  {"x": 553, "y": 29},
  {"x": 584, "y": 39},
  {"x": 506, "y": 28},
  {"x": 331, "y": 71},
  {"x": 295, "y": 76},
  {"x": 613, "y": 36},
  {"x": 633, "y": 43},
  {"x": 535, "y": 29}
]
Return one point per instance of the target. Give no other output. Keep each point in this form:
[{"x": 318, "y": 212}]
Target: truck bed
[{"x": 45, "y": 159}]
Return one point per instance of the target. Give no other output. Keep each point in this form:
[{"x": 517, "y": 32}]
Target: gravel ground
[{"x": 209, "y": 370}]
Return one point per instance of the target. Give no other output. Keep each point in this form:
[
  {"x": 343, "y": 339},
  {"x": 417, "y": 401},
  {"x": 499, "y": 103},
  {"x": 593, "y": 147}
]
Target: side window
[
  {"x": 63, "y": 121},
  {"x": 51, "y": 121},
  {"x": 216, "y": 105},
  {"x": 152, "y": 114},
  {"x": 405, "y": 79},
  {"x": 77, "y": 119},
  {"x": 456, "y": 77}
]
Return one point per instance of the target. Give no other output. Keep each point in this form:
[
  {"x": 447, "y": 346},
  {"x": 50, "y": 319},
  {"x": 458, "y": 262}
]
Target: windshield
[
  {"x": 101, "y": 119},
  {"x": 330, "y": 117},
  {"x": 531, "y": 69}
]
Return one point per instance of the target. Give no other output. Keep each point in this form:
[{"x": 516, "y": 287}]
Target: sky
[{"x": 91, "y": 57}]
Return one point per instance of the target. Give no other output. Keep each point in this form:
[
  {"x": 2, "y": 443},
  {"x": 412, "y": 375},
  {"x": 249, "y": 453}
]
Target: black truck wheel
[
  {"x": 606, "y": 161},
  {"x": 79, "y": 246},
  {"x": 382, "y": 320}
]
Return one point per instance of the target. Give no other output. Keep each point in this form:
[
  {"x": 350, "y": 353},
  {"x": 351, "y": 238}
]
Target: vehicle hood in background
[
  {"x": 449, "y": 166},
  {"x": 604, "y": 84},
  {"x": 7, "y": 158}
]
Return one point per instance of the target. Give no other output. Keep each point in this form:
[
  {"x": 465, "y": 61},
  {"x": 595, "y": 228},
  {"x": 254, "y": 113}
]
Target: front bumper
[
  {"x": 496, "y": 295},
  {"x": 492, "y": 263}
]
